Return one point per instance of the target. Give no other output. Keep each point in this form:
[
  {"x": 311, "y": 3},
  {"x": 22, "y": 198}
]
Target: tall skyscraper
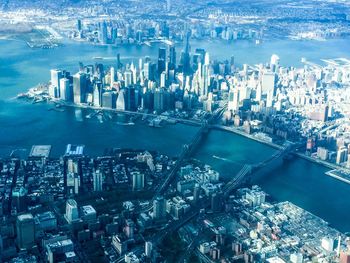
[
  {"x": 274, "y": 63},
  {"x": 97, "y": 180},
  {"x": 54, "y": 89},
  {"x": 172, "y": 58},
  {"x": 159, "y": 208},
  {"x": 268, "y": 85},
  {"x": 131, "y": 98},
  {"x": 138, "y": 180},
  {"x": 268, "y": 81},
  {"x": 159, "y": 100},
  {"x": 112, "y": 72},
  {"x": 163, "y": 79},
  {"x": 97, "y": 95},
  {"x": 65, "y": 90},
  {"x": 109, "y": 99},
  {"x": 120, "y": 101},
  {"x": 342, "y": 155},
  {"x": 233, "y": 100},
  {"x": 19, "y": 199},
  {"x": 146, "y": 70},
  {"x": 185, "y": 56},
  {"x": 161, "y": 60},
  {"x": 25, "y": 231},
  {"x": 79, "y": 87},
  {"x": 102, "y": 33},
  {"x": 72, "y": 213},
  {"x": 258, "y": 92},
  {"x": 128, "y": 78}
]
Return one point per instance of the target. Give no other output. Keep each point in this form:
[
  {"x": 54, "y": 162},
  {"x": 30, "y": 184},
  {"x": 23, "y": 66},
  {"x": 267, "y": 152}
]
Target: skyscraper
[
  {"x": 97, "y": 95},
  {"x": 72, "y": 213},
  {"x": 25, "y": 231},
  {"x": 159, "y": 100},
  {"x": 138, "y": 180},
  {"x": 159, "y": 208},
  {"x": 163, "y": 79},
  {"x": 120, "y": 101},
  {"x": 97, "y": 180},
  {"x": 112, "y": 72},
  {"x": 172, "y": 58},
  {"x": 109, "y": 99},
  {"x": 268, "y": 81},
  {"x": 146, "y": 70},
  {"x": 102, "y": 33},
  {"x": 65, "y": 89},
  {"x": 79, "y": 87},
  {"x": 268, "y": 87},
  {"x": 185, "y": 56},
  {"x": 161, "y": 60},
  {"x": 128, "y": 78},
  {"x": 54, "y": 89},
  {"x": 233, "y": 99},
  {"x": 19, "y": 199}
]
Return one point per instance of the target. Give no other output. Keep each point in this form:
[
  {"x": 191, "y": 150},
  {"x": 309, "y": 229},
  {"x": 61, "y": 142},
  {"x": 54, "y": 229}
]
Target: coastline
[
  {"x": 234, "y": 130},
  {"x": 331, "y": 166}
]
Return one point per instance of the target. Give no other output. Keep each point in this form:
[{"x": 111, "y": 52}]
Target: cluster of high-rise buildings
[
  {"x": 116, "y": 32},
  {"x": 282, "y": 102},
  {"x": 166, "y": 84}
]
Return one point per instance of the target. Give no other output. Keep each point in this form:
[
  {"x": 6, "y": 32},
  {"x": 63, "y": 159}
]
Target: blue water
[
  {"x": 23, "y": 124},
  {"x": 299, "y": 181}
]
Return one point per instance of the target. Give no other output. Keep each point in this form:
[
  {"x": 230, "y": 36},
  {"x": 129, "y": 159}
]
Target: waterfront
[
  {"x": 23, "y": 67},
  {"x": 299, "y": 181},
  {"x": 24, "y": 124}
]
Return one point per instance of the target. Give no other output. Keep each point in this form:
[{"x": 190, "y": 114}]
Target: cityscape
[{"x": 175, "y": 131}]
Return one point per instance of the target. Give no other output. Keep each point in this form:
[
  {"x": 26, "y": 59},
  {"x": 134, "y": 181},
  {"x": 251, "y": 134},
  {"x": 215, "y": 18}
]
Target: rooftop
[{"x": 40, "y": 151}]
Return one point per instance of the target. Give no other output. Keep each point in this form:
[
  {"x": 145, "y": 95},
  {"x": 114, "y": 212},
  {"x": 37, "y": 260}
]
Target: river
[{"x": 23, "y": 124}]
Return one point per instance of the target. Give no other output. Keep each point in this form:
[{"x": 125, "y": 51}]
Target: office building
[
  {"x": 138, "y": 180},
  {"x": 159, "y": 100},
  {"x": 88, "y": 214},
  {"x": 46, "y": 221},
  {"x": 172, "y": 58},
  {"x": 159, "y": 208},
  {"x": 72, "y": 213},
  {"x": 19, "y": 199},
  {"x": 65, "y": 90},
  {"x": 109, "y": 100},
  {"x": 102, "y": 33},
  {"x": 98, "y": 180},
  {"x": 342, "y": 155},
  {"x": 120, "y": 105},
  {"x": 79, "y": 87},
  {"x": 54, "y": 88},
  {"x": 25, "y": 231},
  {"x": 161, "y": 60}
]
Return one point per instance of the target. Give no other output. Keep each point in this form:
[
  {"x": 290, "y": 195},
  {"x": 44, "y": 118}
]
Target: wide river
[{"x": 23, "y": 124}]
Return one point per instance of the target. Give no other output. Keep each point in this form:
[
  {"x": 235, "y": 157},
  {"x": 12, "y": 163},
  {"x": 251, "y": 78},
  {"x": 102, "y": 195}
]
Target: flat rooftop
[
  {"x": 40, "y": 151},
  {"x": 72, "y": 149}
]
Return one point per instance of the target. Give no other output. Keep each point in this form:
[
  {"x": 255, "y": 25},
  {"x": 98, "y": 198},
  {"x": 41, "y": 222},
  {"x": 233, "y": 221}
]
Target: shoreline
[
  {"x": 175, "y": 120},
  {"x": 328, "y": 165}
]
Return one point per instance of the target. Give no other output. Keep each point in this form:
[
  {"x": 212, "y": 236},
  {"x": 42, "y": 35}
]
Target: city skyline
[{"x": 175, "y": 131}]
